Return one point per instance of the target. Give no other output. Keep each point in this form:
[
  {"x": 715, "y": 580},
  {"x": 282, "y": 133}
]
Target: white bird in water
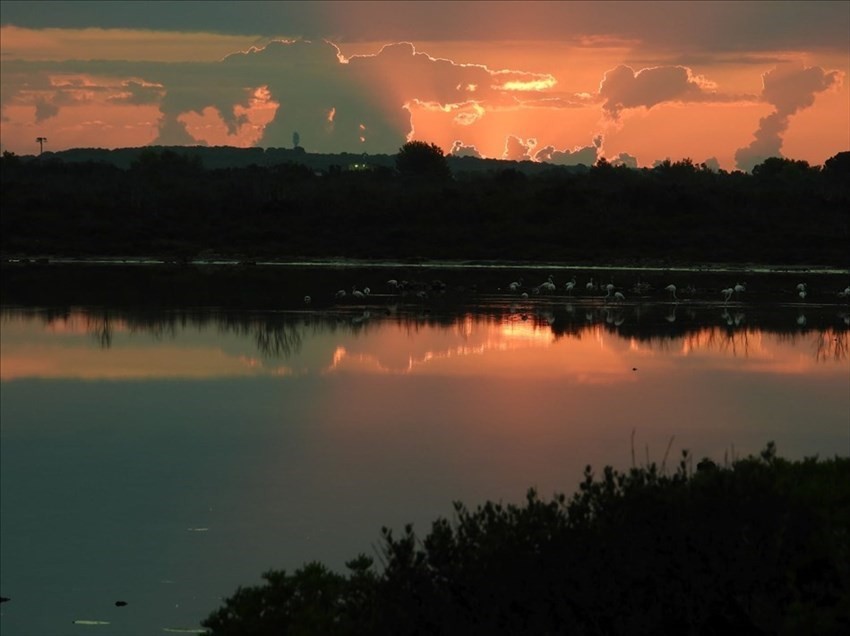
[
  {"x": 307, "y": 300},
  {"x": 619, "y": 296},
  {"x": 570, "y": 285},
  {"x": 727, "y": 293},
  {"x": 672, "y": 290},
  {"x": 340, "y": 294},
  {"x": 547, "y": 286},
  {"x": 591, "y": 286},
  {"x": 740, "y": 288}
]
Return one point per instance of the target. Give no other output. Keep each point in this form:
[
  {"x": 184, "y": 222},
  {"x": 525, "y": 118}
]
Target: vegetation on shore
[
  {"x": 168, "y": 203},
  {"x": 757, "y": 546}
]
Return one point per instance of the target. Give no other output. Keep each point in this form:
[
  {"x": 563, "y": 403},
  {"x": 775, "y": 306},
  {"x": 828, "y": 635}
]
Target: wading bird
[{"x": 672, "y": 290}]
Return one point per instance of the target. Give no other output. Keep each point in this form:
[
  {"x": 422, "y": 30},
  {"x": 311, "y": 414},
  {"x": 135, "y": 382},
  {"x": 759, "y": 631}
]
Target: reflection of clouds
[{"x": 200, "y": 345}]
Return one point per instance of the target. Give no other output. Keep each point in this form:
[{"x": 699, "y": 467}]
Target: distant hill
[{"x": 214, "y": 157}]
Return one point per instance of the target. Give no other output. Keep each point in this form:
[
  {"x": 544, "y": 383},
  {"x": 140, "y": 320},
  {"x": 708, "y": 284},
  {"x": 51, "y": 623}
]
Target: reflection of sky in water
[
  {"x": 110, "y": 455},
  {"x": 73, "y": 347}
]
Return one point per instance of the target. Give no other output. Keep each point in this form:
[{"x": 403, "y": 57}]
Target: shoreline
[{"x": 352, "y": 263}]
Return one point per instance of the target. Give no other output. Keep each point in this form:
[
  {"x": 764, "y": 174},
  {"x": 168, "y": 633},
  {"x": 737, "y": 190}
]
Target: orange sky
[{"x": 621, "y": 89}]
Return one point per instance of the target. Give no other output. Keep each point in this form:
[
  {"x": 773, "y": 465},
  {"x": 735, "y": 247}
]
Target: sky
[{"x": 724, "y": 83}]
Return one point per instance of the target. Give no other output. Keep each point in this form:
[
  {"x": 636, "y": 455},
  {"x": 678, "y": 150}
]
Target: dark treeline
[{"x": 168, "y": 203}]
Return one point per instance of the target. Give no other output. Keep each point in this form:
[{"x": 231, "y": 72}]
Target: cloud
[
  {"x": 586, "y": 155},
  {"x": 788, "y": 88},
  {"x": 138, "y": 93},
  {"x": 621, "y": 88},
  {"x": 712, "y": 164},
  {"x": 45, "y": 110},
  {"x": 700, "y": 26},
  {"x": 625, "y": 159},
  {"x": 518, "y": 149},
  {"x": 460, "y": 150}
]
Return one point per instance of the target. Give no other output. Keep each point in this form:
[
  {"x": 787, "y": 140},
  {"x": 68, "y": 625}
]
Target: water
[{"x": 164, "y": 455}]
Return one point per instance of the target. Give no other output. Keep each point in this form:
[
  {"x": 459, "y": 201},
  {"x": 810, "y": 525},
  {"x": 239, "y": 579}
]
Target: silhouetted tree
[{"x": 419, "y": 158}]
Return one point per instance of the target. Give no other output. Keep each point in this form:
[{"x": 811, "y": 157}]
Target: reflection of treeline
[
  {"x": 757, "y": 546},
  {"x": 280, "y": 335},
  {"x": 168, "y": 203}
]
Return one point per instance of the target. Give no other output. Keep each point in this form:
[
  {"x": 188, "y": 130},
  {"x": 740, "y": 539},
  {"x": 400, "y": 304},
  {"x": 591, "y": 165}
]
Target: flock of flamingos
[{"x": 424, "y": 291}]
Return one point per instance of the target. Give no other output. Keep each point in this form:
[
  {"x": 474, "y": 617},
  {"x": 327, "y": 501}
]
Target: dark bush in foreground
[{"x": 762, "y": 546}]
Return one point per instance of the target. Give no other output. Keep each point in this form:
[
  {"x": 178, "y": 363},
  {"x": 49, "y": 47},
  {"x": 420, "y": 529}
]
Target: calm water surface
[{"x": 165, "y": 457}]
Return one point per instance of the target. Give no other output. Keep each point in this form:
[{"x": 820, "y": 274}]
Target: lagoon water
[{"x": 165, "y": 456}]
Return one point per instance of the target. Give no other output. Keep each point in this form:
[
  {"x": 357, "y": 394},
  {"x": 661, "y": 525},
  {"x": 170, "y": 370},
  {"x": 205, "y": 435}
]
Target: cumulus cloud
[
  {"x": 370, "y": 96},
  {"x": 460, "y": 150},
  {"x": 788, "y": 88},
  {"x": 625, "y": 159},
  {"x": 518, "y": 149},
  {"x": 45, "y": 110},
  {"x": 623, "y": 88},
  {"x": 586, "y": 155},
  {"x": 712, "y": 164}
]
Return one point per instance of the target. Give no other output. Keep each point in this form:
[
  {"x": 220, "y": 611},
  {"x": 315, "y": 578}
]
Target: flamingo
[
  {"x": 307, "y": 300},
  {"x": 619, "y": 297},
  {"x": 727, "y": 293},
  {"x": 570, "y": 285},
  {"x": 340, "y": 294},
  {"x": 672, "y": 290},
  {"x": 515, "y": 285},
  {"x": 591, "y": 286},
  {"x": 740, "y": 288},
  {"x": 548, "y": 285}
]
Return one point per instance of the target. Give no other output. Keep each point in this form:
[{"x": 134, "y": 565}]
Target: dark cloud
[
  {"x": 586, "y": 155},
  {"x": 625, "y": 159},
  {"x": 685, "y": 26},
  {"x": 460, "y": 150},
  {"x": 45, "y": 110},
  {"x": 712, "y": 164},
  {"x": 788, "y": 88},
  {"x": 138, "y": 94},
  {"x": 621, "y": 88}
]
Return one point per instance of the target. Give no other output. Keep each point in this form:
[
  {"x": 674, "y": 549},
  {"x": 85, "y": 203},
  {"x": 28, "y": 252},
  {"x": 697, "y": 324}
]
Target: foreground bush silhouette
[{"x": 761, "y": 546}]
